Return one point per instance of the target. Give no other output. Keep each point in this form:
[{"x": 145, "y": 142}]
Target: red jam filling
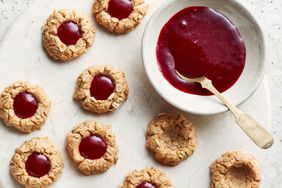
[
  {"x": 147, "y": 185},
  {"x": 25, "y": 105},
  {"x": 69, "y": 33},
  {"x": 120, "y": 8},
  {"x": 101, "y": 87},
  {"x": 92, "y": 147},
  {"x": 37, "y": 165},
  {"x": 199, "y": 41}
]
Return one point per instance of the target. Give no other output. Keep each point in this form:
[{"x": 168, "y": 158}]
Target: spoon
[{"x": 260, "y": 136}]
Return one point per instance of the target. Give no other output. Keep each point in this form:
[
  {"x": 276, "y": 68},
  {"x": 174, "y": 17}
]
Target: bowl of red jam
[{"x": 217, "y": 39}]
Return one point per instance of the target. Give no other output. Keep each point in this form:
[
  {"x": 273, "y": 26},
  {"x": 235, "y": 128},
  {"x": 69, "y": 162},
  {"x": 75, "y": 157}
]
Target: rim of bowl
[{"x": 250, "y": 91}]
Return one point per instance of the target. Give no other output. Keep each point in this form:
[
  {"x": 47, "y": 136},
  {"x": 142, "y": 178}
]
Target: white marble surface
[{"x": 269, "y": 14}]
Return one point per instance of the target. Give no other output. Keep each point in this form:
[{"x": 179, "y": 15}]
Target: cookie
[
  {"x": 24, "y": 106},
  {"x": 172, "y": 138},
  {"x": 67, "y": 34},
  {"x": 235, "y": 170},
  {"x": 92, "y": 147},
  {"x": 147, "y": 178},
  {"x": 101, "y": 89},
  {"x": 119, "y": 16},
  {"x": 36, "y": 163}
]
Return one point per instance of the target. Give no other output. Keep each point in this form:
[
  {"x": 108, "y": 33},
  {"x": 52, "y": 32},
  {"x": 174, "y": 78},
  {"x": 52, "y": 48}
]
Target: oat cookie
[
  {"x": 235, "y": 170},
  {"x": 149, "y": 177},
  {"x": 172, "y": 138},
  {"x": 92, "y": 147},
  {"x": 36, "y": 163},
  {"x": 119, "y": 16},
  {"x": 24, "y": 106},
  {"x": 101, "y": 89},
  {"x": 67, "y": 34}
]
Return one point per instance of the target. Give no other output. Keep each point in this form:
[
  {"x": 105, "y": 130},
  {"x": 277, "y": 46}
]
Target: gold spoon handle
[{"x": 249, "y": 125}]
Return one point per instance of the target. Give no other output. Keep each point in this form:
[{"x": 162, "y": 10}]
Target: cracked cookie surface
[
  {"x": 149, "y": 175},
  {"x": 54, "y": 45},
  {"x": 172, "y": 138},
  {"x": 116, "y": 98},
  {"x": 86, "y": 165},
  {"x": 115, "y": 25},
  {"x": 41, "y": 145},
  {"x": 7, "y": 111},
  {"x": 235, "y": 170}
]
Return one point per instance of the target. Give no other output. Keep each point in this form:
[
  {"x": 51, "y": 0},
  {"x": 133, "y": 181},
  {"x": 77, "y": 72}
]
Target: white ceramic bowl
[{"x": 247, "y": 83}]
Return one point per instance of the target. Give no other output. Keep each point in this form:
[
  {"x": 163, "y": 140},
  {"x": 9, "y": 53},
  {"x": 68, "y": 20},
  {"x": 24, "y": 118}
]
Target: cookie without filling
[
  {"x": 153, "y": 177},
  {"x": 116, "y": 92},
  {"x": 235, "y": 170},
  {"x": 92, "y": 147},
  {"x": 67, "y": 34},
  {"x": 36, "y": 163},
  {"x": 113, "y": 20},
  {"x": 172, "y": 138},
  {"x": 24, "y": 106}
]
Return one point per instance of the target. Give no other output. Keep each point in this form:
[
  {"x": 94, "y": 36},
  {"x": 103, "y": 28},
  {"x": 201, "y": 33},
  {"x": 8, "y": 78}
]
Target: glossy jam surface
[
  {"x": 69, "y": 33},
  {"x": 101, "y": 87},
  {"x": 37, "y": 165},
  {"x": 120, "y": 8},
  {"x": 25, "y": 105},
  {"x": 199, "y": 41},
  {"x": 147, "y": 185},
  {"x": 92, "y": 147}
]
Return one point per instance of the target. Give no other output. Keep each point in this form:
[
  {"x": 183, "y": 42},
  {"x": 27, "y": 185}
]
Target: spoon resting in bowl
[{"x": 260, "y": 136}]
